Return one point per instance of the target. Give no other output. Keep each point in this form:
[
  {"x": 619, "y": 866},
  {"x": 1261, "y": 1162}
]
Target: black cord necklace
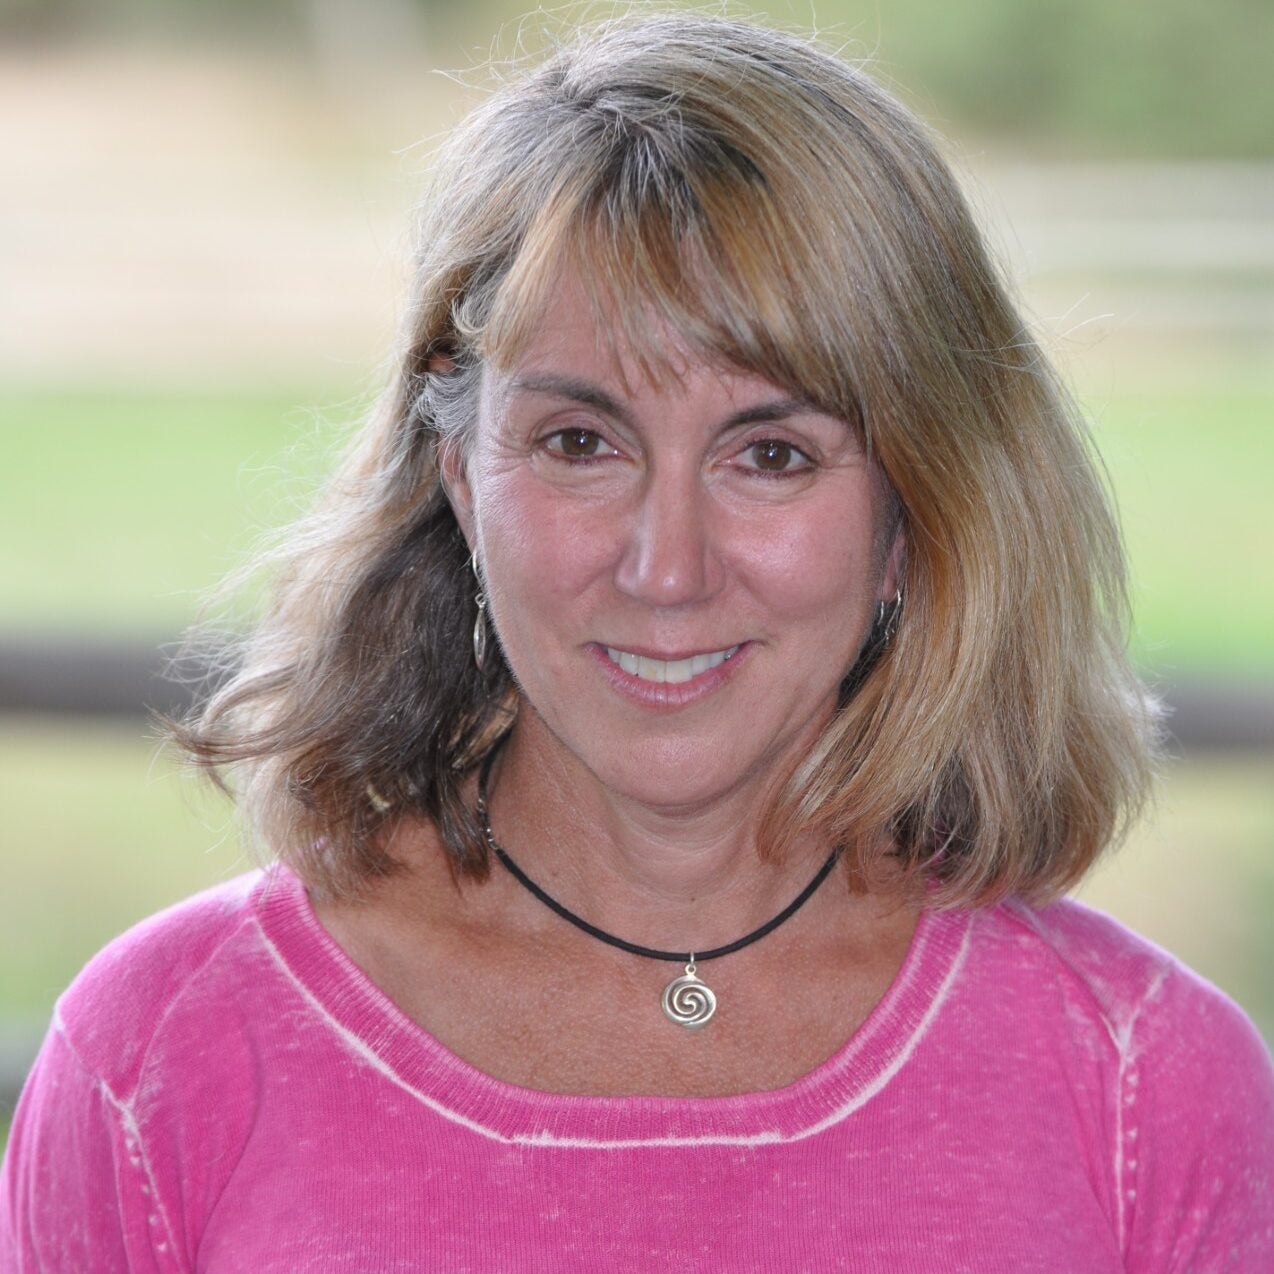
[{"x": 686, "y": 1000}]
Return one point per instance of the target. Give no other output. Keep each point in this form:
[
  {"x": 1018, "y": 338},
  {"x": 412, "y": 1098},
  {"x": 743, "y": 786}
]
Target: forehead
[{"x": 581, "y": 332}]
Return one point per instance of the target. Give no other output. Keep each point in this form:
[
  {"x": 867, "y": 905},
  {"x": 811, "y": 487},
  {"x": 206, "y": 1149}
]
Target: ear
[
  {"x": 451, "y": 467},
  {"x": 456, "y": 487}
]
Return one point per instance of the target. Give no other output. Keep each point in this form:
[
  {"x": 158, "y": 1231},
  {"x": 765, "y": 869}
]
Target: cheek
[
  {"x": 541, "y": 546},
  {"x": 810, "y": 558}
]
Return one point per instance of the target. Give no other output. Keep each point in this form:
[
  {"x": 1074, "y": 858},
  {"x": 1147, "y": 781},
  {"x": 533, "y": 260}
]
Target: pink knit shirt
[{"x": 1039, "y": 1090}]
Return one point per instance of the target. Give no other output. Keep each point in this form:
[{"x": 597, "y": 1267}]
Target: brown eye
[
  {"x": 773, "y": 455},
  {"x": 577, "y": 442}
]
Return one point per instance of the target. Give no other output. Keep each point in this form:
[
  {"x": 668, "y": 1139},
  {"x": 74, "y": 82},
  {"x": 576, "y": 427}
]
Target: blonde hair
[{"x": 784, "y": 213}]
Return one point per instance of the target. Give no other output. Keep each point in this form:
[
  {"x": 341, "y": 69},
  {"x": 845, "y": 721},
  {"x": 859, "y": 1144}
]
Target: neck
[{"x": 678, "y": 879}]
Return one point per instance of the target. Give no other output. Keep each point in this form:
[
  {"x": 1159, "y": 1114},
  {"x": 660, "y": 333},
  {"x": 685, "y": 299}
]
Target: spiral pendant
[{"x": 687, "y": 1001}]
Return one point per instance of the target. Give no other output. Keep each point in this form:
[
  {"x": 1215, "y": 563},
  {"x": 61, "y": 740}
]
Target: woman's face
[{"x": 680, "y": 574}]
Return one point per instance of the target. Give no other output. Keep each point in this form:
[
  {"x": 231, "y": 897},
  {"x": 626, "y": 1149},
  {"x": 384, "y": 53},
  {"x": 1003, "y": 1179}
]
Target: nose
[{"x": 670, "y": 555}]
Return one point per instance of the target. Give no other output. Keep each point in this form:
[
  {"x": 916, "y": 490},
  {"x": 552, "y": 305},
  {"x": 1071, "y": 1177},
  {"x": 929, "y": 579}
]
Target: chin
[{"x": 666, "y": 773}]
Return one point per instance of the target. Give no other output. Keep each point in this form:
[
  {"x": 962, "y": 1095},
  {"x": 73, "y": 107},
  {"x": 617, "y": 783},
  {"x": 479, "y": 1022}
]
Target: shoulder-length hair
[{"x": 784, "y": 213}]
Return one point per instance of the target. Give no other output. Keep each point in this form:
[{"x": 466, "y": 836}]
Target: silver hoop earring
[
  {"x": 887, "y": 618},
  {"x": 480, "y": 622}
]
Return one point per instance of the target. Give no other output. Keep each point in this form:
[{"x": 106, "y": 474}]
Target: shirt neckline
[{"x": 371, "y": 1024}]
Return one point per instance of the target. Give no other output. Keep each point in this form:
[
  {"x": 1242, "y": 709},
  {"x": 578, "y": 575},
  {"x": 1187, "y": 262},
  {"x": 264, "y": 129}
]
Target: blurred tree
[{"x": 1173, "y": 78}]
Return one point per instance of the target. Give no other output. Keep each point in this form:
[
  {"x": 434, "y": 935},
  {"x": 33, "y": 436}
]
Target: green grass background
[{"x": 121, "y": 510}]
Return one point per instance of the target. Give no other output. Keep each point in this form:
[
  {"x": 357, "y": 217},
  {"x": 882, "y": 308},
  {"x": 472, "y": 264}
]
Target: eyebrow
[{"x": 590, "y": 395}]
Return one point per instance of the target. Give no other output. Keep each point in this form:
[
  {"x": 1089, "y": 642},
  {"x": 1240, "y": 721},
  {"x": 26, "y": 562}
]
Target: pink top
[{"x": 1039, "y": 1090}]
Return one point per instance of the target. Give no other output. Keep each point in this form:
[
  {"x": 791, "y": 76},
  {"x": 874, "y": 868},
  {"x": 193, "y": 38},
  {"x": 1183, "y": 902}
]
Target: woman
[{"x": 674, "y": 731}]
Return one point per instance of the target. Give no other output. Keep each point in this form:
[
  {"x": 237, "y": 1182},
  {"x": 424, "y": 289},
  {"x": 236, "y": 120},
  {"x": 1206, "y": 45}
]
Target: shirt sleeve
[
  {"x": 1196, "y": 1126},
  {"x": 75, "y": 1192}
]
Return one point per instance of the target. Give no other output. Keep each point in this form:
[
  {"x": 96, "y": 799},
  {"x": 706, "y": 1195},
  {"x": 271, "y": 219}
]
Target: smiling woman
[
  {"x": 706, "y": 516},
  {"x": 724, "y": 583}
]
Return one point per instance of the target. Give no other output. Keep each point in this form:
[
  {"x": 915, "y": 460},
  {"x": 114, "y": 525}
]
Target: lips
[
  {"x": 668, "y": 670},
  {"x": 720, "y": 666}
]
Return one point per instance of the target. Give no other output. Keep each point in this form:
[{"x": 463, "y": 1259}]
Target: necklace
[{"x": 686, "y": 1000}]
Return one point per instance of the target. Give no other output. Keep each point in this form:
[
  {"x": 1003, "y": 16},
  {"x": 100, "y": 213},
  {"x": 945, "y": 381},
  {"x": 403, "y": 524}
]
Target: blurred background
[{"x": 203, "y": 251}]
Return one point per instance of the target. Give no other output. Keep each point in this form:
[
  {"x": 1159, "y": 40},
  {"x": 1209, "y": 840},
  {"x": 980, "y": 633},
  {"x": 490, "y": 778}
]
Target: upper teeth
[{"x": 673, "y": 670}]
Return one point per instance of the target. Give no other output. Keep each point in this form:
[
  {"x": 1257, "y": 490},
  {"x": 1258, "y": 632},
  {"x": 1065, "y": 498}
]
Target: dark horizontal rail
[
  {"x": 90, "y": 677},
  {"x": 79, "y": 676}
]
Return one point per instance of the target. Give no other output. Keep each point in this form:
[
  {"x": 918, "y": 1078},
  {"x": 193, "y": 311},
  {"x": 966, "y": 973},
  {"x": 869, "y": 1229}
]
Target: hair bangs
[{"x": 700, "y": 252}]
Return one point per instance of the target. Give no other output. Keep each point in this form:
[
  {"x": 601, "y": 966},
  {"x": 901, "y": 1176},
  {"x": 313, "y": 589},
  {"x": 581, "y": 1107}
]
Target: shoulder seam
[
  {"x": 129, "y": 1128},
  {"x": 1161, "y": 966},
  {"x": 1125, "y": 1097}
]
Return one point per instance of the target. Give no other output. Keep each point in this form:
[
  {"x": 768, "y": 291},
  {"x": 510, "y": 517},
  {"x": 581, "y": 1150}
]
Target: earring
[
  {"x": 480, "y": 622},
  {"x": 887, "y": 618}
]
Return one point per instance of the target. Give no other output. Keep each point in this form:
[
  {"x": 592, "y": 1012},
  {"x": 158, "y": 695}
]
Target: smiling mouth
[{"x": 672, "y": 671}]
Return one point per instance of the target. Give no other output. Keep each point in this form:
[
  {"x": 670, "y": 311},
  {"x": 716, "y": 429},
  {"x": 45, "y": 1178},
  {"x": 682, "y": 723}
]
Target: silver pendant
[{"x": 687, "y": 1001}]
